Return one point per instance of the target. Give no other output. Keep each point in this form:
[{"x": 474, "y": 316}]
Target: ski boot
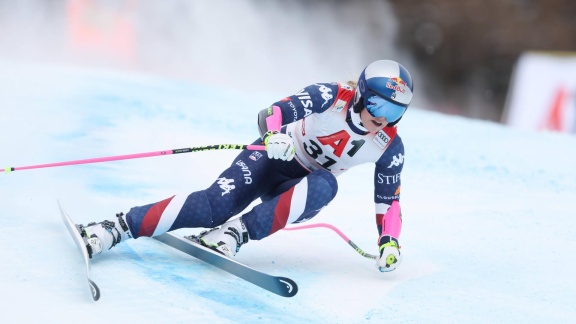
[
  {"x": 226, "y": 239},
  {"x": 104, "y": 235}
]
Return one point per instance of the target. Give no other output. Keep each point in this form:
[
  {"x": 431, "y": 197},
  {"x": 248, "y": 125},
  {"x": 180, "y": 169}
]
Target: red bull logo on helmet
[
  {"x": 399, "y": 84},
  {"x": 399, "y": 81}
]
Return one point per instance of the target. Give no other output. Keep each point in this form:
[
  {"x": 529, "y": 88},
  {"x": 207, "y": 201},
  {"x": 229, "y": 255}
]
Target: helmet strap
[{"x": 358, "y": 106}]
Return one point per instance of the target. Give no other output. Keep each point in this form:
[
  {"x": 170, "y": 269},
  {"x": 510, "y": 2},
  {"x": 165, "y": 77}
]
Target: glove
[
  {"x": 390, "y": 257},
  {"x": 279, "y": 146}
]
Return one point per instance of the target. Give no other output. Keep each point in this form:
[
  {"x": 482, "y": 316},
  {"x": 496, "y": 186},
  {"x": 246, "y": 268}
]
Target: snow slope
[{"x": 489, "y": 213}]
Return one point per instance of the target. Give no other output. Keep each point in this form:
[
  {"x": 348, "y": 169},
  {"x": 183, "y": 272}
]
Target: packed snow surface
[{"x": 489, "y": 213}]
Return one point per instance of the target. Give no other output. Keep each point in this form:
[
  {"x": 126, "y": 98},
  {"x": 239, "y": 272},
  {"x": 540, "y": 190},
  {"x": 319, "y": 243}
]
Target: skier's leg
[
  {"x": 299, "y": 203},
  {"x": 238, "y": 186},
  {"x": 232, "y": 192},
  {"x": 302, "y": 200}
]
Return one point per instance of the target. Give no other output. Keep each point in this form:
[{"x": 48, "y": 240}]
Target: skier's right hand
[
  {"x": 279, "y": 146},
  {"x": 390, "y": 257}
]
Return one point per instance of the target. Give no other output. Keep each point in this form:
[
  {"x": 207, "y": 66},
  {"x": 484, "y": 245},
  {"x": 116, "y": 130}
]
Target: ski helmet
[{"x": 385, "y": 90}]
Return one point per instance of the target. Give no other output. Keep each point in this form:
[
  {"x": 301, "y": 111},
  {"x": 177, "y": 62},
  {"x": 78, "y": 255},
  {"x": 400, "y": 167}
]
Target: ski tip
[
  {"x": 62, "y": 212},
  {"x": 94, "y": 289},
  {"x": 289, "y": 287}
]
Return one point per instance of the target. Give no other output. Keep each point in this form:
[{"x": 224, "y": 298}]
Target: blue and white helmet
[{"x": 385, "y": 89}]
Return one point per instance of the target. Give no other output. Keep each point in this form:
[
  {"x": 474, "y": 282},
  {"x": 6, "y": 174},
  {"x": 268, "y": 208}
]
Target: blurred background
[{"x": 507, "y": 61}]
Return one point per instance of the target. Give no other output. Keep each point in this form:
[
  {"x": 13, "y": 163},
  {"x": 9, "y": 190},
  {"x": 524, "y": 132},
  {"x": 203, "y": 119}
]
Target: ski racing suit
[{"x": 329, "y": 139}]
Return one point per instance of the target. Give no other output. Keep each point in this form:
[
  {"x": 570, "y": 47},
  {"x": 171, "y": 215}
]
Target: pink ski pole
[
  {"x": 140, "y": 155},
  {"x": 335, "y": 229}
]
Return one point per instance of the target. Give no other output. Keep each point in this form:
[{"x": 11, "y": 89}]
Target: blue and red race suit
[{"x": 329, "y": 139}]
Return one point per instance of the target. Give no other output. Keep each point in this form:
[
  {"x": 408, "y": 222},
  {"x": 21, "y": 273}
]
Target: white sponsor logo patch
[
  {"x": 381, "y": 139},
  {"x": 340, "y": 104},
  {"x": 255, "y": 156}
]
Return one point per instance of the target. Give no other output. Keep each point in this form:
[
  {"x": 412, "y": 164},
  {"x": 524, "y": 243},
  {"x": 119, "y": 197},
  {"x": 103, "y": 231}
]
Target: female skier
[{"x": 310, "y": 137}]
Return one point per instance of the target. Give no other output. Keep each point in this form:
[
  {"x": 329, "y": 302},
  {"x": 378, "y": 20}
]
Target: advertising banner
[{"x": 542, "y": 92}]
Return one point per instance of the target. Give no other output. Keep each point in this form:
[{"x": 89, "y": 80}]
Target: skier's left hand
[
  {"x": 390, "y": 257},
  {"x": 279, "y": 146}
]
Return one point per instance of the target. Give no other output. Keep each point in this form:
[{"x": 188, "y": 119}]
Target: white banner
[{"x": 542, "y": 93}]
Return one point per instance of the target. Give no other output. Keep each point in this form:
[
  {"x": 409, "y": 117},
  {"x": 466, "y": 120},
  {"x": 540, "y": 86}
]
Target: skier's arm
[
  {"x": 312, "y": 99},
  {"x": 269, "y": 119},
  {"x": 278, "y": 145},
  {"x": 387, "y": 200}
]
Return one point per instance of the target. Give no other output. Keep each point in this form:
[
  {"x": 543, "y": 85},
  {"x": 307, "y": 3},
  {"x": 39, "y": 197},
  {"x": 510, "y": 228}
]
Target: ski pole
[
  {"x": 140, "y": 155},
  {"x": 339, "y": 232}
]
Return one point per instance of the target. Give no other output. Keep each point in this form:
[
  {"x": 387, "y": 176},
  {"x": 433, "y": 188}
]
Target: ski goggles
[{"x": 380, "y": 107}]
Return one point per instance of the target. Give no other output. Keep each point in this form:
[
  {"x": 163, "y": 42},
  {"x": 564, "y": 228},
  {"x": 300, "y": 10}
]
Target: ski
[
  {"x": 281, "y": 286},
  {"x": 81, "y": 243}
]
